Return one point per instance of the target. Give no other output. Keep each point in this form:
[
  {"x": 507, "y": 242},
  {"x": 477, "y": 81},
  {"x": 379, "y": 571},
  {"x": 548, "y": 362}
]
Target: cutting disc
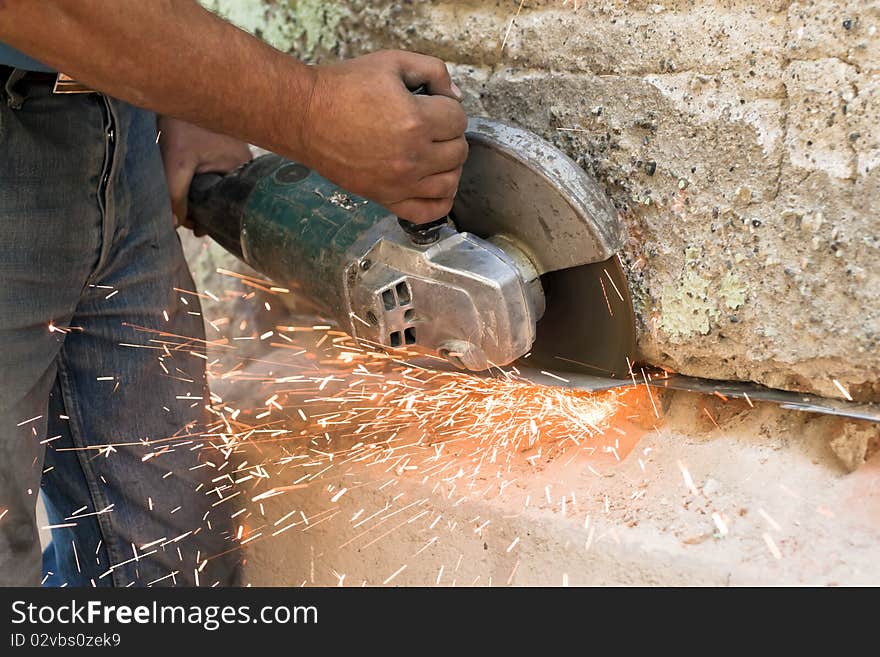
[
  {"x": 589, "y": 325},
  {"x": 517, "y": 185}
]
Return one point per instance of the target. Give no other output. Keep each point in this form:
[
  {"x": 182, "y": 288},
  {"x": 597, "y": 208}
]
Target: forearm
[
  {"x": 355, "y": 122},
  {"x": 170, "y": 56}
]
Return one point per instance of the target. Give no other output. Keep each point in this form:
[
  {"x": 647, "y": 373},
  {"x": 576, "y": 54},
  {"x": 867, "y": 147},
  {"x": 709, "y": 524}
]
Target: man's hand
[
  {"x": 365, "y": 131},
  {"x": 188, "y": 150}
]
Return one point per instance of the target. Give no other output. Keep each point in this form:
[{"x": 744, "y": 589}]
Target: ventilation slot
[
  {"x": 403, "y": 294},
  {"x": 409, "y": 335},
  {"x": 395, "y": 339},
  {"x": 388, "y": 300}
]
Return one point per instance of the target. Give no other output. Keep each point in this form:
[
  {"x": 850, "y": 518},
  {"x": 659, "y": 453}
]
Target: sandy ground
[{"x": 711, "y": 493}]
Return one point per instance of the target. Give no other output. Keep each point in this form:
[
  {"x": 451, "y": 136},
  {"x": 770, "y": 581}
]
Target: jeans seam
[
  {"x": 99, "y": 500},
  {"x": 108, "y": 172}
]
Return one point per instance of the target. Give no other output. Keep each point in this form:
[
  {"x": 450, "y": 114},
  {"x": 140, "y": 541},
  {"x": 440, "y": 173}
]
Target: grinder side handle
[
  {"x": 217, "y": 202},
  {"x": 214, "y": 212},
  {"x": 202, "y": 184}
]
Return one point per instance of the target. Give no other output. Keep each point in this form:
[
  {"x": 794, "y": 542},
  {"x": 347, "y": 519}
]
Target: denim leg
[
  {"x": 50, "y": 232},
  {"x": 102, "y": 364},
  {"x": 77, "y": 555},
  {"x": 133, "y": 385}
]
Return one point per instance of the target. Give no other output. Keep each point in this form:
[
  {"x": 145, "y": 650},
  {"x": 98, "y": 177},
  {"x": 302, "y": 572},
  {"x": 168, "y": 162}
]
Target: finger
[
  {"x": 446, "y": 119},
  {"x": 422, "y": 210},
  {"x": 177, "y": 189},
  {"x": 439, "y": 186},
  {"x": 443, "y": 156},
  {"x": 417, "y": 70},
  {"x": 179, "y": 176},
  {"x": 180, "y": 210}
]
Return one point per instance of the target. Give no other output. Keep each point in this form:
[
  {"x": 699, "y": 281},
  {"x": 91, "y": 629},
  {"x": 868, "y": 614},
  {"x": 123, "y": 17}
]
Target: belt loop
[{"x": 14, "y": 99}]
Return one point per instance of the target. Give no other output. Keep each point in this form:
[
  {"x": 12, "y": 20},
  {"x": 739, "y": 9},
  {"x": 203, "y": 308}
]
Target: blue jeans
[{"x": 102, "y": 387}]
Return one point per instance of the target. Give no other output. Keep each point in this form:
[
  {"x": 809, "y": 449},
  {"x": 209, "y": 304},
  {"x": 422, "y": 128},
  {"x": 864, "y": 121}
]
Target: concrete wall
[{"x": 740, "y": 141}]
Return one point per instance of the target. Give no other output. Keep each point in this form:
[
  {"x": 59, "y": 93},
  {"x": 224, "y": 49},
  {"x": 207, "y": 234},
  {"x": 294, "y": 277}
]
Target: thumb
[
  {"x": 418, "y": 70},
  {"x": 179, "y": 178}
]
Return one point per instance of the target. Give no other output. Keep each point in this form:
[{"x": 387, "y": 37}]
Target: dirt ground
[{"x": 709, "y": 493}]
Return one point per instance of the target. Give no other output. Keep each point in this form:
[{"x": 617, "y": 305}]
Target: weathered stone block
[{"x": 844, "y": 29}]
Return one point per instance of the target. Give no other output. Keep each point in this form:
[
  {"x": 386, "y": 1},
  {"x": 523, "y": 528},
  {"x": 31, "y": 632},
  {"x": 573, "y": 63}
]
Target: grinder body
[
  {"x": 531, "y": 235},
  {"x": 464, "y": 298}
]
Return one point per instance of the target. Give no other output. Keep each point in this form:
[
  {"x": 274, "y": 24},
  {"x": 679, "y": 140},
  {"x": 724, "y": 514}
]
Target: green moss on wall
[
  {"x": 301, "y": 26},
  {"x": 691, "y": 304},
  {"x": 317, "y": 22}
]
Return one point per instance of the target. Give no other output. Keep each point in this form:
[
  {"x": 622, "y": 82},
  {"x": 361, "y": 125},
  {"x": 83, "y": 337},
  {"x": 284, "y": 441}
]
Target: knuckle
[
  {"x": 463, "y": 152},
  {"x": 398, "y": 208},
  {"x": 387, "y": 60},
  {"x": 412, "y": 125},
  {"x": 435, "y": 189},
  {"x": 456, "y": 179},
  {"x": 441, "y": 186},
  {"x": 405, "y": 165},
  {"x": 440, "y": 70},
  {"x": 450, "y": 184},
  {"x": 399, "y": 168}
]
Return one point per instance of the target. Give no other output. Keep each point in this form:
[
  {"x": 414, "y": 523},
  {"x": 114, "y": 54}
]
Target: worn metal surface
[
  {"x": 299, "y": 228},
  {"x": 462, "y": 297},
  {"x": 517, "y": 185},
  {"x": 472, "y": 301},
  {"x": 589, "y": 326},
  {"x": 726, "y": 389},
  {"x": 534, "y": 373},
  {"x": 791, "y": 400}
]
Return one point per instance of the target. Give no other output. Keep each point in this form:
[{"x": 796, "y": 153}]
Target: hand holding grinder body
[{"x": 355, "y": 121}]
